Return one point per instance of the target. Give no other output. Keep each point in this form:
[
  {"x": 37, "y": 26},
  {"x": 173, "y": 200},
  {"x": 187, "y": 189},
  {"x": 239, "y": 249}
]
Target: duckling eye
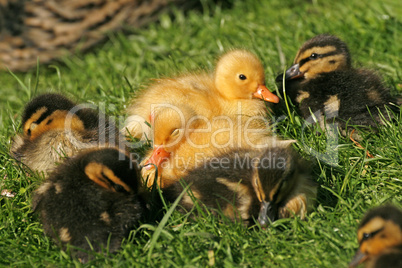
[
  {"x": 366, "y": 236},
  {"x": 175, "y": 132},
  {"x": 242, "y": 77},
  {"x": 31, "y": 127},
  {"x": 314, "y": 56}
]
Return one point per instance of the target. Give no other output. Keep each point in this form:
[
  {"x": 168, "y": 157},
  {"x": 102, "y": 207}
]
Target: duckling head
[
  {"x": 322, "y": 54},
  {"x": 276, "y": 176},
  {"x": 240, "y": 74},
  {"x": 170, "y": 124},
  {"x": 379, "y": 230},
  {"x": 48, "y": 111},
  {"x": 111, "y": 169}
]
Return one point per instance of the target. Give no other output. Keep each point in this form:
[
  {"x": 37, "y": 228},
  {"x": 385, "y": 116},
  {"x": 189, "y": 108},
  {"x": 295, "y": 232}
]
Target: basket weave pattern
[{"x": 49, "y": 29}]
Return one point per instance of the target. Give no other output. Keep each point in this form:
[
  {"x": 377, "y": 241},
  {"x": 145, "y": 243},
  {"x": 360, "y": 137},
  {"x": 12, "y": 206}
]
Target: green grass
[{"x": 186, "y": 41}]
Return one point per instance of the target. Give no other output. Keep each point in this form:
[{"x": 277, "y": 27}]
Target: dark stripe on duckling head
[
  {"x": 276, "y": 170},
  {"x": 41, "y": 108},
  {"x": 122, "y": 166},
  {"x": 367, "y": 236},
  {"x": 387, "y": 212},
  {"x": 105, "y": 177},
  {"x": 32, "y": 122},
  {"x": 325, "y": 40},
  {"x": 310, "y": 56},
  {"x": 273, "y": 181},
  {"x": 268, "y": 211},
  {"x": 380, "y": 230},
  {"x": 259, "y": 190},
  {"x": 321, "y": 54},
  {"x": 321, "y": 63},
  {"x": 50, "y": 101},
  {"x": 378, "y": 234},
  {"x": 280, "y": 191},
  {"x": 57, "y": 120}
]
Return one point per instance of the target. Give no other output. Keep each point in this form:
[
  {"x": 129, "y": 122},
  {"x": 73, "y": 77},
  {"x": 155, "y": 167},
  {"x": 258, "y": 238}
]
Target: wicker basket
[{"x": 49, "y": 29}]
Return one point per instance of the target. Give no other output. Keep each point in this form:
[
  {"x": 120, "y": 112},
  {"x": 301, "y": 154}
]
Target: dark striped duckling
[
  {"x": 94, "y": 196},
  {"x": 380, "y": 238},
  {"x": 55, "y": 127},
  {"x": 323, "y": 80},
  {"x": 249, "y": 185}
]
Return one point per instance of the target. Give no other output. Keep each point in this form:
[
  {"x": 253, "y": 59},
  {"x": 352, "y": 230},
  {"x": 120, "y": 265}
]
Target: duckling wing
[
  {"x": 169, "y": 92},
  {"x": 363, "y": 98}
]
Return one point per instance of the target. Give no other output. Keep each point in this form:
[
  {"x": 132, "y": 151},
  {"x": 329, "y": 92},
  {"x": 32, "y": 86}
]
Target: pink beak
[{"x": 159, "y": 154}]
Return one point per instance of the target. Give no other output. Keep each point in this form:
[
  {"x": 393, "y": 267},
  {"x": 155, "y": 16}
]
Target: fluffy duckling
[
  {"x": 55, "y": 127},
  {"x": 249, "y": 185},
  {"x": 94, "y": 196},
  {"x": 323, "y": 80},
  {"x": 171, "y": 127},
  {"x": 380, "y": 238},
  {"x": 233, "y": 89},
  {"x": 182, "y": 141}
]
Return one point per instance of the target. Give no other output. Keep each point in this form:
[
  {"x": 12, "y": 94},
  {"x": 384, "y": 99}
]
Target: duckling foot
[
  {"x": 148, "y": 175},
  {"x": 297, "y": 206}
]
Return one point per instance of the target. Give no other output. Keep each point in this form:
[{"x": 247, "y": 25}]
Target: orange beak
[
  {"x": 264, "y": 94},
  {"x": 159, "y": 154}
]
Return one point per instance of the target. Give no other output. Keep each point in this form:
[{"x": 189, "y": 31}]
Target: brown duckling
[
  {"x": 323, "y": 80},
  {"x": 249, "y": 185},
  {"x": 54, "y": 127},
  {"x": 91, "y": 200},
  {"x": 234, "y": 89},
  {"x": 380, "y": 238}
]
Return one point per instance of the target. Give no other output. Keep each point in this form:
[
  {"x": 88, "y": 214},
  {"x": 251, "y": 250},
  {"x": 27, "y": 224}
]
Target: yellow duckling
[
  {"x": 91, "y": 201},
  {"x": 231, "y": 90},
  {"x": 380, "y": 238},
  {"x": 182, "y": 141},
  {"x": 54, "y": 127}
]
